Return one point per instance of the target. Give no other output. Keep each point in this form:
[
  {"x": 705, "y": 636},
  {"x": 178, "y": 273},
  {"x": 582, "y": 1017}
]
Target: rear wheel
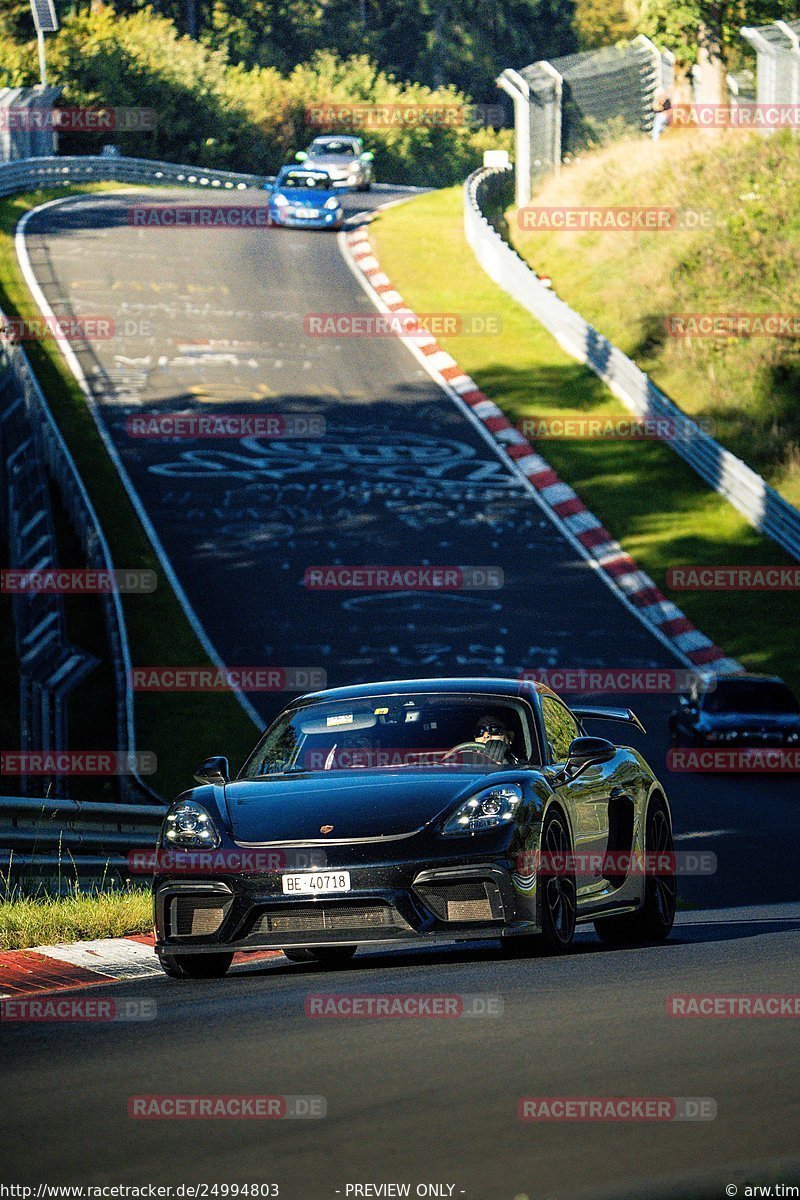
[
  {"x": 195, "y": 966},
  {"x": 326, "y": 956},
  {"x": 654, "y": 920},
  {"x": 558, "y": 892}
]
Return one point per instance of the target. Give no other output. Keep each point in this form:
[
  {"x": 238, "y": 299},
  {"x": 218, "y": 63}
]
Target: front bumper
[
  {"x": 389, "y": 902},
  {"x": 331, "y": 219}
]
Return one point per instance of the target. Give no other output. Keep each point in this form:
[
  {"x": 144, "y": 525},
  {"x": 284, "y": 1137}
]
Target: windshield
[
  {"x": 305, "y": 180},
  {"x": 740, "y": 696},
  {"x": 421, "y": 731},
  {"x": 332, "y": 147}
]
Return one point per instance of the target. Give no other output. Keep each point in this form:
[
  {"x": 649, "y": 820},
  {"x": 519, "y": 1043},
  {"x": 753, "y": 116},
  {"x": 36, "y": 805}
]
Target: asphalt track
[
  {"x": 401, "y": 476},
  {"x": 428, "y": 1100}
]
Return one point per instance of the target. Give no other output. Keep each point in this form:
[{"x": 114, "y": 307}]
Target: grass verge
[
  {"x": 181, "y": 729},
  {"x": 741, "y": 258},
  {"x": 649, "y": 500},
  {"x": 41, "y": 921}
]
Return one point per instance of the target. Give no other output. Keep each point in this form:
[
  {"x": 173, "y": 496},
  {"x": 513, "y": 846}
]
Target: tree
[{"x": 605, "y": 22}]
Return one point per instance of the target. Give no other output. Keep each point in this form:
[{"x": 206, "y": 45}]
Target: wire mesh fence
[
  {"x": 777, "y": 47},
  {"x": 583, "y": 100}
]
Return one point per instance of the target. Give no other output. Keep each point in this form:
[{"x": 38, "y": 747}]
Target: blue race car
[{"x": 303, "y": 197}]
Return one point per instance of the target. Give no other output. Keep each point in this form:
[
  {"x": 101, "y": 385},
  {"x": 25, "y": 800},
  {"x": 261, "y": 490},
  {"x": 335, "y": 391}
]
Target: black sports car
[
  {"x": 737, "y": 711},
  {"x": 409, "y": 811}
]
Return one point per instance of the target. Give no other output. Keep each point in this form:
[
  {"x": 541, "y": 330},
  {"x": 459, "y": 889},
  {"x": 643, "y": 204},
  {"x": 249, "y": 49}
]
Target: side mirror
[
  {"x": 213, "y": 770},
  {"x": 584, "y": 751},
  {"x": 301, "y": 156}
]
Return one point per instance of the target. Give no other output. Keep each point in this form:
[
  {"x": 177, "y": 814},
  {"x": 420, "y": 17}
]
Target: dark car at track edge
[{"x": 739, "y": 712}]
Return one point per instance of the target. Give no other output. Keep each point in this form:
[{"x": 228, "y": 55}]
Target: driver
[{"x": 495, "y": 738}]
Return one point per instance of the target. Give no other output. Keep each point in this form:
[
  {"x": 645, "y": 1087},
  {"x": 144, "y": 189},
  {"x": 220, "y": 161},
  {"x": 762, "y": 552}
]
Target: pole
[{"x": 42, "y": 60}]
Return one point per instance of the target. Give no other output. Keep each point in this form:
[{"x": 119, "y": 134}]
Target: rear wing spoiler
[{"x": 597, "y": 713}]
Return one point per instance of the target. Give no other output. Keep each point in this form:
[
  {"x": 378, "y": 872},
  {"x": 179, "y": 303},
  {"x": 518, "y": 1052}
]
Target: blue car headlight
[
  {"x": 188, "y": 826},
  {"x": 279, "y": 201},
  {"x": 332, "y": 203},
  {"x": 485, "y": 810}
]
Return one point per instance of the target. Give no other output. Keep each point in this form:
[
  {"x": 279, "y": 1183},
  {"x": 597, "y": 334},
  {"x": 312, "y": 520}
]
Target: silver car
[{"x": 343, "y": 157}]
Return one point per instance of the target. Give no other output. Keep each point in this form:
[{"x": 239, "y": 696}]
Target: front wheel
[
  {"x": 654, "y": 920},
  {"x": 558, "y": 891},
  {"x": 195, "y": 966}
]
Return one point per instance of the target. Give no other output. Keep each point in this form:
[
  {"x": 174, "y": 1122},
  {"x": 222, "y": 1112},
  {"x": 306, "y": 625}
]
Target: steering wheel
[{"x": 470, "y": 748}]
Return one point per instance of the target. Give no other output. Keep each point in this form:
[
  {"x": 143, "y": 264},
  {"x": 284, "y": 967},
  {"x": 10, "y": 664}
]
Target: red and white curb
[
  {"x": 564, "y": 506},
  {"x": 83, "y": 964}
]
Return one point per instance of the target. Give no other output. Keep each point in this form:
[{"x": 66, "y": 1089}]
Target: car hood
[
  {"x": 358, "y": 804},
  {"x": 332, "y": 160},
  {"x": 307, "y": 197}
]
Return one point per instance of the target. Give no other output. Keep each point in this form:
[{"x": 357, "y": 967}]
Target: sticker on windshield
[
  {"x": 380, "y": 712},
  {"x": 343, "y": 719}
]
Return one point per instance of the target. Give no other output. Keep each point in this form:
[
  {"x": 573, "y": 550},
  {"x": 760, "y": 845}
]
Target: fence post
[
  {"x": 558, "y": 80},
  {"x": 795, "y": 50},
  {"x": 518, "y": 89}
]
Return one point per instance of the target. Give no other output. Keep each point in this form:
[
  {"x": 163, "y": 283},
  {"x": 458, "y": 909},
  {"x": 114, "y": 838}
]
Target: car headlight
[
  {"x": 279, "y": 201},
  {"x": 485, "y": 810},
  {"x": 332, "y": 203},
  {"x": 188, "y": 825},
  {"x": 792, "y": 738}
]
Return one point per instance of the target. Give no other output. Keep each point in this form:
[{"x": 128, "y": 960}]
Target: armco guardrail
[
  {"x": 724, "y": 472},
  {"x": 48, "y": 838},
  {"x": 51, "y": 450},
  {"x": 50, "y": 447},
  {"x": 27, "y": 173}
]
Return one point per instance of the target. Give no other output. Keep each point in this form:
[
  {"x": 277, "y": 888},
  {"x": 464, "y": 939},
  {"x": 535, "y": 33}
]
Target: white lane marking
[
  {"x": 512, "y": 465},
  {"x": 127, "y": 483},
  {"x": 754, "y": 914},
  {"x": 704, "y": 833},
  {"x": 120, "y": 957}
]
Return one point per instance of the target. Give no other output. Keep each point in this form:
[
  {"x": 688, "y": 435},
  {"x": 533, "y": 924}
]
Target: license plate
[
  {"x": 316, "y": 883},
  {"x": 308, "y": 213}
]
